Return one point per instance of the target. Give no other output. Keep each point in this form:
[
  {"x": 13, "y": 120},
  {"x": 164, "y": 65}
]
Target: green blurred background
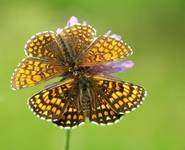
[{"x": 156, "y": 32}]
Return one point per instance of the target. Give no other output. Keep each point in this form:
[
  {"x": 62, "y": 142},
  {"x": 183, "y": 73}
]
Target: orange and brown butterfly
[{"x": 85, "y": 63}]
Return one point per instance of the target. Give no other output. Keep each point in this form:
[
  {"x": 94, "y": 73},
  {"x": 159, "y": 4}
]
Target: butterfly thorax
[
  {"x": 83, "y": 85},
  {"x": 76, "y": 72}
]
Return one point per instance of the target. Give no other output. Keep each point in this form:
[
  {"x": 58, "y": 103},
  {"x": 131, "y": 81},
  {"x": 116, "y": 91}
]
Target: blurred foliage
[{"x": 156, "y": 32}]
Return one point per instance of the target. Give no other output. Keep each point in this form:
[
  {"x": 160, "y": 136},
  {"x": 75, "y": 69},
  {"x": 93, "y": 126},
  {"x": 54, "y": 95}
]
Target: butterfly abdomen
[
  {"x": 85, "y": 104},
  {"x": 85, "y": 96}
]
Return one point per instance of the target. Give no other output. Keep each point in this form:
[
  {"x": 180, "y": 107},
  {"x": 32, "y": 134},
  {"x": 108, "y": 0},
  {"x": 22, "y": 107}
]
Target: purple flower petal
[
  {"x": 111, "y": 67},
  {"x": 111, "y": 77},
  {"x": 108, "y": 33},
  {"x": 115, "y": 36},
  {"x": 72, "y": 21},
  {"x": 59, "y": 30},
  {"x": 128, "y": 64},
  {"x": 84, "y": 22}
]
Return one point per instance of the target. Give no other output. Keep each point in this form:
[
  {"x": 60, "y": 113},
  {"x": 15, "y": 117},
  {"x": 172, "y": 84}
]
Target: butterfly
[{"x": 85, "y": 62}]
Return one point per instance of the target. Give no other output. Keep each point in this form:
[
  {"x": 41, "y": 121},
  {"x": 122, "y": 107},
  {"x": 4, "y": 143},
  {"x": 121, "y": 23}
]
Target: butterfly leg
[{"x": 93, "y": 99}]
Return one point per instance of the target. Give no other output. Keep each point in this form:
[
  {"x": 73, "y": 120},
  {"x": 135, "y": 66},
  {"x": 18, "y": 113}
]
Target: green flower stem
[{"x": 67, "y": 139}]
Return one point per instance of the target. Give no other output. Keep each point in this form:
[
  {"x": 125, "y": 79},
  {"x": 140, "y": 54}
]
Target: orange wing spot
[
  {"x": 40, "y": 105},
  {"x": 130, "y": 99},
  {"x": 48, "y": 107},
  {"x": 98, "y": 58},
  {"x": 94, "y": 116},
  {"x": 133, "y": 96},
  {"x": 70, "y": 110},
  {"x": 43, "y": 107},
  {"x": 103, "y": 107},
  {"x": 27, "y": 72},
  {"x": 116, "y": 106},
  {"x": 69, "y": 116},
  {"x": 46, "y": 74},
  {"x": 114, "y": 96},
  {"x": 120, "y": 102},
  {"x": 127, "y": 91},
  {"x": 110, "y": 46},
  {"x": 58, "y": 101},
  {"x": 58, "y": 112},
  {"x": 114, "y": 43},
  {"x": 126, "y": 86},
  {"x": 30, "y": 67},
  {"x": 125, "y": 100},
  {"x": 135, "y": 92},
  {"x": 68, "y": 122},
  {"x": 100, "y": 115},
  {"x": 38, "y": 101},
  {"x": 75, "y": 117},
  {"x": 108, "y": 118},
  {"x": 62, "y": 104},
  {"x": 110, "y": 85},
  {"x": 45, "y": 94},
  {"x": 107, "y": 56},
  {"x": 45, "y": 112},
  {"x": 130, "y": 104},
  {"x": 100, "y": 82},
  {"x": 111, "y": 100},
  {"x": 81, "y": 117},
  {"x": 106, "y": 113},
  {"x": 54, "y": 109},
  {"x": 37, "y": 78},
  {"x": 119, "y": 93}
]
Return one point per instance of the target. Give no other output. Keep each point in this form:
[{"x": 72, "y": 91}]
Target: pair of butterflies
[{"x": 85, "y": 62}]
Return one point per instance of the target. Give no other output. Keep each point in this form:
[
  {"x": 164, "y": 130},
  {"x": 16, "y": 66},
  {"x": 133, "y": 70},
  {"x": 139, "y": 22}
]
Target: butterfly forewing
[
  {"x": 78, "y": 38},
  {"x": 42, "y": 45},
  {"x": 53, "y": 102},
  {"x": 105, "y": 49},
  {"x": 71, "y": 118},
  {"x": 32, "y": 71},
  {"x": 121, "y": 96}
]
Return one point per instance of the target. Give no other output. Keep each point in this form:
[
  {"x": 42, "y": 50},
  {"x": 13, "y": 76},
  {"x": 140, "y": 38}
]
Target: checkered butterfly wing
[
  {"x": 103, "y": 114},
  {"x": 104, "y": 49},
  {"x": 71, "y": 118},
  {"x": 121, "y": 96},
  {"x": 42, "y": 61},
  {"x": 32, "y": 71},
  {"x": 77, "y": 38},
  {"x": 56, "y": 104},
  {"x": 43, "y": 45}
]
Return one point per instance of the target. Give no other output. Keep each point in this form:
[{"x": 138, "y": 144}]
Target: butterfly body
[
  {"x": 67, "y": 57},
  {"x": 85, "y": 98},
  {"x": 87, "y": 89}
]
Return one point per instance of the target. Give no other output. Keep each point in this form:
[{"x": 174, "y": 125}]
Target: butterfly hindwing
[
  {"x": 32, "y": 71},
  {"x": 103, "y": 113},
  {"x": 121, "y": 96},
  {"x": 71, "y": 118},
  {"x": 51, "y": 103}
]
